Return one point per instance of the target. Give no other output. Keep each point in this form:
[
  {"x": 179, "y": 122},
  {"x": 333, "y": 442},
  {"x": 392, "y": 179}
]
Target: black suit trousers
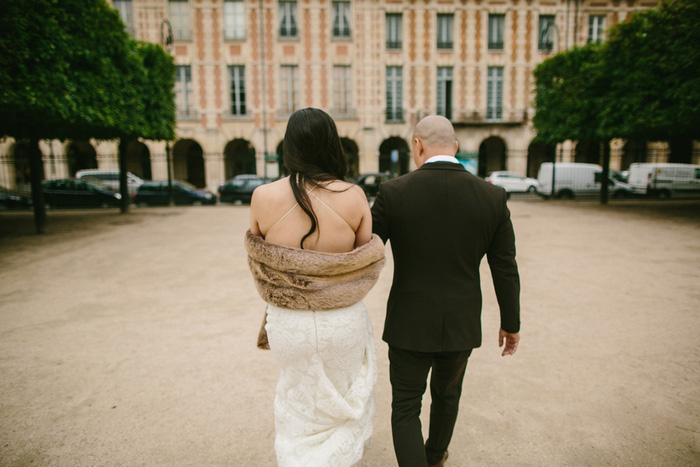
[{"x": 409, "y": 373}]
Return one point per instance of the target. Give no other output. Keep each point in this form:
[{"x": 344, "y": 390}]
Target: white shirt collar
[{"x": 442, "y": 159}]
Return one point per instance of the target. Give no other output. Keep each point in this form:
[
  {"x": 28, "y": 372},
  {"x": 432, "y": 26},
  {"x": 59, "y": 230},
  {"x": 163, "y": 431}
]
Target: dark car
[
  {"x": 240, "y": 188},
  {"x": 156, "y": 194},
  {"x": 14, "y": 200},
  {"x": 73, "y": 193},
  {"x": 370, "y": 183}
]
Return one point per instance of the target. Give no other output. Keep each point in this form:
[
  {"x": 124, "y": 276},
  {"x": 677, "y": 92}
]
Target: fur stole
[{"x": 298, "y": 279}]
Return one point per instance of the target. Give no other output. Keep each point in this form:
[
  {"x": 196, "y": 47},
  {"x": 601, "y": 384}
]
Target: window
[
  {"x": 393, "y": 31},
  {"x": 288, "y": 19},
  {"x": 394, "y": 94},
  {"x": 596, "y": 28},
  {"x": 179, "y": 11},
  {"x": 496, "y": 27},
  {"x": 546, "y": 33},
  {"x": 234, "y": 19},
  {"x": 237, "y": 74},
  {"x": 342, "y": 90},
  {"x": 126, "y": 13},
  {"x": 289, "y": 86},
  {"x": 444, "y": 31},
  {"x": 494, "y": 94},
  {"x": 341, "y": 19},
  {"x": 183, "y": 91},
  {"x": 444, "y": 92}
]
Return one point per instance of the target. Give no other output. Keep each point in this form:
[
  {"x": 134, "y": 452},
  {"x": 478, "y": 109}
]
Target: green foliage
[
  {"x": 70, "y": 71},
  {"x": 643, "y": 82},
  {"x": 567, "y": 95},
  {"x": 653, "y": 62},
  {"x": 158, "y": 95}
]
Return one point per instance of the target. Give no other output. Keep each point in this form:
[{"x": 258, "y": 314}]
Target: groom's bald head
[{"x": 433, "y": 135}]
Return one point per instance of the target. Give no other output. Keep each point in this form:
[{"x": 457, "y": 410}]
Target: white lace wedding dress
[{"x": 325, "y": 393}]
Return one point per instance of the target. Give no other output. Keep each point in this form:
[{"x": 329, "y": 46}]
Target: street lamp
[
  {"x": 166, "y": 39},
  {"x": 548, "y": 47},
  {"x": 264, "y": 91}
]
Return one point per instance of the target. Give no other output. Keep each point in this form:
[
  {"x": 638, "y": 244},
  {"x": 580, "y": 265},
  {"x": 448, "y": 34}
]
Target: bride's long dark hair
[{"x": 313, "y": 155}]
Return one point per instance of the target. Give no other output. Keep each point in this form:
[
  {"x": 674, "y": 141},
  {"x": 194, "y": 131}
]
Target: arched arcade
[
  {"x": 239, "y": 158},
  {"x": 188, "y": 162},
  {"x": 394, "y": 156}
]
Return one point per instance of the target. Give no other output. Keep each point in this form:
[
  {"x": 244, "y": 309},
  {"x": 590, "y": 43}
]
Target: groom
[{"x": 441, "y": 221}]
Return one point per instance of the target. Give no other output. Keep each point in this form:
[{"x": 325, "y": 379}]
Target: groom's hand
[{"x": 511, "y": 341}]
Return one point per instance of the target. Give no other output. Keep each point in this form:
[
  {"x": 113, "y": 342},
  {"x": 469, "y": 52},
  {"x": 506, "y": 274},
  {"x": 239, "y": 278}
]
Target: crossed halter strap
[{"x": 296, "y": 205}]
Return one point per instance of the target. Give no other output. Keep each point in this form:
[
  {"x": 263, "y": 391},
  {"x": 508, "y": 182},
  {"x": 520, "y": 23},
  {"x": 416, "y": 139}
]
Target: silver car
[
  {"x": 513, "y": 183},
  {"x": 110, "y": 178}
]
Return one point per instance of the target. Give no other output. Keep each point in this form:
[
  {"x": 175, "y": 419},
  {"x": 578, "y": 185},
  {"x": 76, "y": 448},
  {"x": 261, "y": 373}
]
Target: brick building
[{"x": 243, "y": 66}]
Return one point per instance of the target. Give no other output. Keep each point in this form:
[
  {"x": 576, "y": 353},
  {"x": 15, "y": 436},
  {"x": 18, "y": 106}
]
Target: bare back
[{"x": 344, "y": 218}]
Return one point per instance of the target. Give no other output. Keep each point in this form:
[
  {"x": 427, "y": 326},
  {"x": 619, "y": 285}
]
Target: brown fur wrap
[{"x": 298, "y": 279}]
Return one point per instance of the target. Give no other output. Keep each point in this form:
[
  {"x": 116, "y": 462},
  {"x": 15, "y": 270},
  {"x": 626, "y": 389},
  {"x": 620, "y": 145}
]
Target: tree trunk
[
  {"x": 123, "y": 184},
  {"x": 604, "y": 195},
  {"x": 36, "y": 171}
]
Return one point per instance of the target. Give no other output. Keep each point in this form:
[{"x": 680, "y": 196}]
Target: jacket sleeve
[
  {"x": 504, "y": 271},
  {"x": 380, "y": 223}
]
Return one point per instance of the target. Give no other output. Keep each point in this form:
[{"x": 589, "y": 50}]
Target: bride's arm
[
  {"x": 363, "y": 234},
  {"x": 255, "y": 204}
]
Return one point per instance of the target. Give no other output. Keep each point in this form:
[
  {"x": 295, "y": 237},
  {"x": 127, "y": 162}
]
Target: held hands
[{"x": 511, "y": 341}]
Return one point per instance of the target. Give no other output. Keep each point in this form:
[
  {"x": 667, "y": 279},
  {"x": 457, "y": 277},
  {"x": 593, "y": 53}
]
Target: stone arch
[
  {"x": 537, "y": 153},
  {"x": 351, "y": 152},
  {"x": 23, "y": 173},
  {"x": 680, "y": 150},
  {"x": 634, "y": 150},
  {"x": 395, "y": 162},
  {"x": 188, "y": 162},
  {"x": 138, "y": 160},
  {"x": 239, "y": 158},
  {"x": 492, "y": 155},
  {"x": 280, "y": 160},
  {"x": 80, "y": 155},
  {"x": 587, "y": 151}
]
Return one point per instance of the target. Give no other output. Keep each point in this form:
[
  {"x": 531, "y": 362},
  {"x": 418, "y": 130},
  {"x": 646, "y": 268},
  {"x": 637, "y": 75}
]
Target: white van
[
  {"x": 576, "y": 179},
  {"x": 110, "y": 178},
  {"x": 664, "y": 179}
]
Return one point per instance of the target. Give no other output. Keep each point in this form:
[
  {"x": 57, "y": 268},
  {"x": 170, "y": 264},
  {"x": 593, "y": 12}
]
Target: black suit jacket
[{"x": 441, "y": 221}]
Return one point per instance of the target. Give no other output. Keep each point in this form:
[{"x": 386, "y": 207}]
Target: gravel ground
[{"x": 129, "y": 340}]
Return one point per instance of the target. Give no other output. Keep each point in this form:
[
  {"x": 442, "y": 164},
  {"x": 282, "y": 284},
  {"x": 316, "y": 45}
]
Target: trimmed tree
[
  {"x": 652, "y": 62},
  {"x": 70, "y": 71},
  {"x": 571, "y": 90},
  {"x": 642, "y": 83}
]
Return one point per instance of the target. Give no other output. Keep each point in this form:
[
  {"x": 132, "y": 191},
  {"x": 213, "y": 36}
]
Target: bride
[{"x": 314, "y": 258}]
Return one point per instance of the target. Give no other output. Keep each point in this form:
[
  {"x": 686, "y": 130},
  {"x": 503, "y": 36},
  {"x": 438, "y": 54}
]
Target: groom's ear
[{"x": 419, "y": 145}]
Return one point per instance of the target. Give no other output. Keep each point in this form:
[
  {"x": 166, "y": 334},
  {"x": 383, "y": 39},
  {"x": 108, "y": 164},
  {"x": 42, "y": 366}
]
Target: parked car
[
  {"x": 73, "y": 193},
  {"x": 664, "y": 179},
  {"x": 156, "y": 194},
  {"x": 370, "y": 182},
  {"x": 110, "y": 178},
  {"x": 240, "y": 188},
  {"x": 14, "y": 200},
  {"x": 619, "y": 176},
  {"x": 577, "y": 179},
  {"x": 513, "y": 183}
]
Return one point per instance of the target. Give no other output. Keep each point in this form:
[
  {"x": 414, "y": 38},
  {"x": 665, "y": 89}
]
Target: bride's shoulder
[
  {"x": 272, "y": 191},
  {"x": 345, "y": 187},
  {"x": 349, "y": 196}
]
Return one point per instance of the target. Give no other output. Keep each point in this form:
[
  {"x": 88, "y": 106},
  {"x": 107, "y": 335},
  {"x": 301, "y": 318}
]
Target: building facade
[{"x": 377, "y": 67}]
